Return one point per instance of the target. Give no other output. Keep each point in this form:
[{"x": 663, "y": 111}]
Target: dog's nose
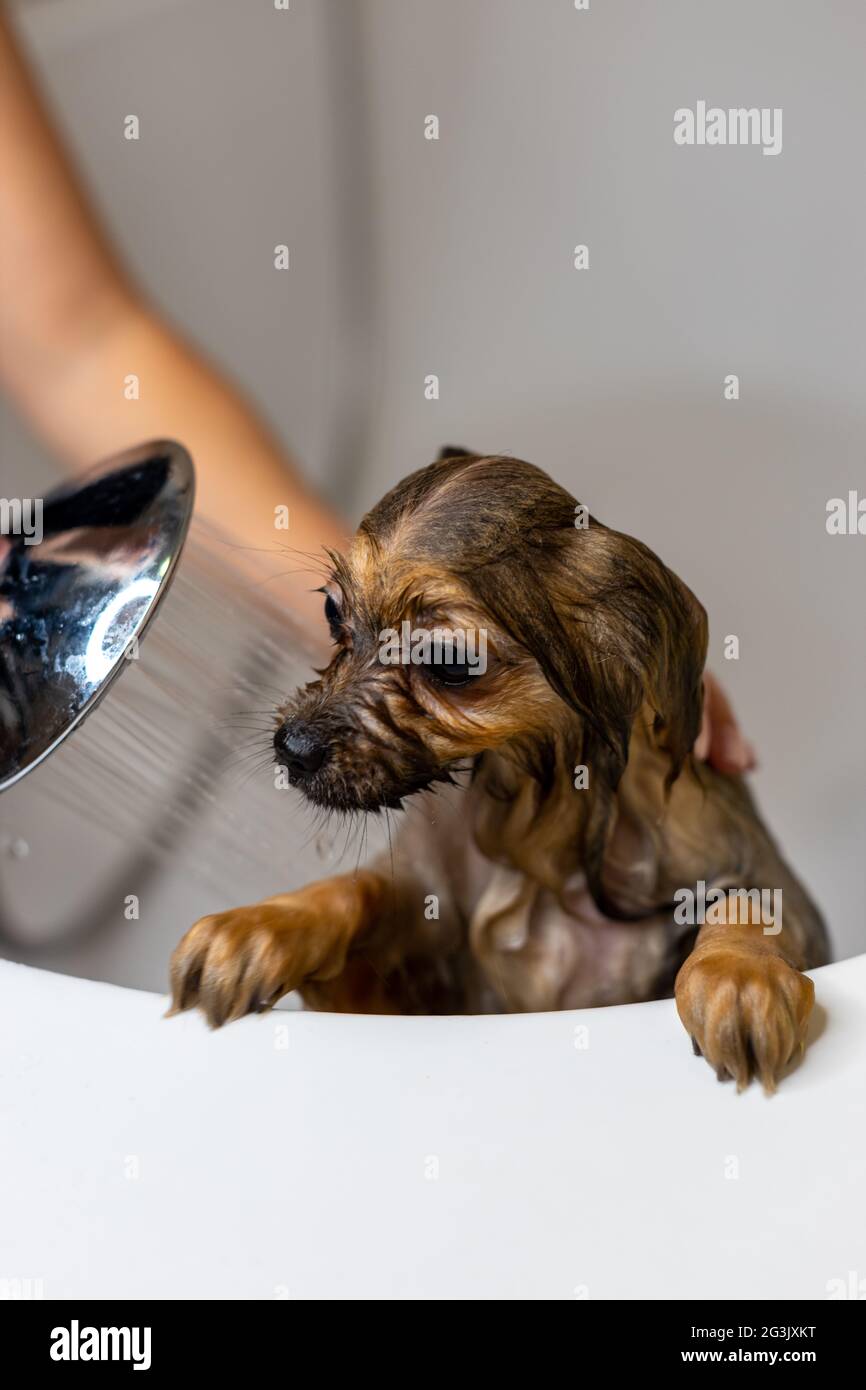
[{"x": 298, "y": 748}]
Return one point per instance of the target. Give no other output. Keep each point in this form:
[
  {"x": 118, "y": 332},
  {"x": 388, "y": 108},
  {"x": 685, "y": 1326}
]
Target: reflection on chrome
[{"x": 98, "y": 662}]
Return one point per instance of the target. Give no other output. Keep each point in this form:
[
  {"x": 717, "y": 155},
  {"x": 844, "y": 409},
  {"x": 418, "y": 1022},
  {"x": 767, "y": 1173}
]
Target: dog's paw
[
  {"x": 244, "y": 960},
  {"x": 747, "y": 1011}
]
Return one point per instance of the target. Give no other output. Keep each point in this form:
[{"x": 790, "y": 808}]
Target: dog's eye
[
  {"x": 448, "y": 672},
  {"x": 332, "y": 614}
]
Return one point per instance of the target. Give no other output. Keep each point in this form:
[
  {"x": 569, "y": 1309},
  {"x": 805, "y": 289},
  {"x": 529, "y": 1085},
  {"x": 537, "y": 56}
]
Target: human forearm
[
  {"x": 242, "y": 474},
  {"x": 74, "y": 330}
]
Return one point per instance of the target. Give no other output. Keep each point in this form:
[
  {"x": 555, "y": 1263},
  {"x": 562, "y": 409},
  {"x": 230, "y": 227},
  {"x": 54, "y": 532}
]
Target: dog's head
[{"x": 480, "y": 608}]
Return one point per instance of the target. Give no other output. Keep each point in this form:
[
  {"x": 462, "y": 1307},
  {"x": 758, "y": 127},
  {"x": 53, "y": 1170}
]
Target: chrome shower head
[{"x": 78, "y": 593}]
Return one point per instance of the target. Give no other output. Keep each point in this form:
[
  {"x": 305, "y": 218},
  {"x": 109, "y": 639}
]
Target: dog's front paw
[
  {"x": 746, "y": 1009},
  {"x": 244, "y": 960}
]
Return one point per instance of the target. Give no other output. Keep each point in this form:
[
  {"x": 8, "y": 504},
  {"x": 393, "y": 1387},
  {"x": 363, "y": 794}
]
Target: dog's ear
[
  {"x": 612, "y": 628},
  {"x": 642, "y": 636},
  {"x": 455, "y": 451}
]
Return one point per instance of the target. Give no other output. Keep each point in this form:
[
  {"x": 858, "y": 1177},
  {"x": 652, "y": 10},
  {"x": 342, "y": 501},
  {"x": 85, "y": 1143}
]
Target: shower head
[{"x": 79, "y": 590}]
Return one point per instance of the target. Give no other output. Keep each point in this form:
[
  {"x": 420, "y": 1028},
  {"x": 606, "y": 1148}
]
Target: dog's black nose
[{"x": 298, "y": 748}]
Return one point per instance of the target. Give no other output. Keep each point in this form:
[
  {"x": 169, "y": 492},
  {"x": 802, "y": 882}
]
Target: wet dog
[{"x": 559, "y": 875}]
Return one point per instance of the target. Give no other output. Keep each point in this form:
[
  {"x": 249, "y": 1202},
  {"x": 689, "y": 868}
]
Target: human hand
[{"x": 720, "y": 741}]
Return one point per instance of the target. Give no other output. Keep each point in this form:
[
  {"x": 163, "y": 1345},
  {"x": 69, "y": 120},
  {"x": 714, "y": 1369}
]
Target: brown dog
[{"x": 551, "y": 880}]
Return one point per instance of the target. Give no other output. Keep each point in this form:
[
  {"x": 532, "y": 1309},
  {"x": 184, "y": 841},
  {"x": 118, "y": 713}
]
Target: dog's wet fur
[{"x": 513, "y": 889}]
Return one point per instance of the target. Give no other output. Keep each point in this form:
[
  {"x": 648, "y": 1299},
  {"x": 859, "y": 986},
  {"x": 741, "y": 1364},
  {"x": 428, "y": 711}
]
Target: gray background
[{"x": 454, "y": 257}]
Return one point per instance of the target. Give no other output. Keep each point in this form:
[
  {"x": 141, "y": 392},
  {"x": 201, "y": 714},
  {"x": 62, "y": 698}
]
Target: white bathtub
[{"x": 570, "y": 1155}]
